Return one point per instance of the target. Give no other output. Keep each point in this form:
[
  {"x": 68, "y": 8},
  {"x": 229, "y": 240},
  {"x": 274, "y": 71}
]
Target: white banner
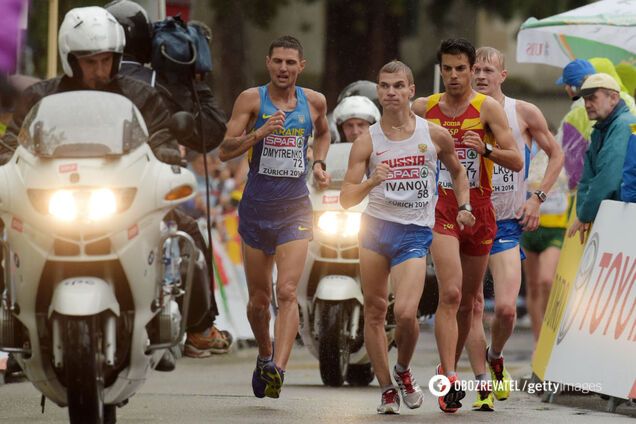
[{"x": 595, "y": 348}]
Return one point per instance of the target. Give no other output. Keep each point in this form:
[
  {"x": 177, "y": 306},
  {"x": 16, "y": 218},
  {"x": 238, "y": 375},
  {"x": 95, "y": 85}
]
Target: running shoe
[
  {"x": 267, "y": 379},
  {"x": 409, "y": 389},
  {"x": 485, "y": 401},
  {"x": 450, "y": 402},
  {"x": 390, "y": 403},
  {"x": 501, "y": 380}
]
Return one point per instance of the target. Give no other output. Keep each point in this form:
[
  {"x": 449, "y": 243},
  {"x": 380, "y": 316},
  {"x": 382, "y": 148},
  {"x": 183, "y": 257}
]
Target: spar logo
[
  {"x": 273, "y": 140},
  {"x": 603, "y": 296},
  {"x": 410, "y": 173},
  {"x": 463, "y": 154}
]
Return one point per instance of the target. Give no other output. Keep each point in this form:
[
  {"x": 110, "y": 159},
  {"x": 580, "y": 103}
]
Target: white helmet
[
  {"x": 356, "y": 107},
  {"x": 86, "y": 31}
]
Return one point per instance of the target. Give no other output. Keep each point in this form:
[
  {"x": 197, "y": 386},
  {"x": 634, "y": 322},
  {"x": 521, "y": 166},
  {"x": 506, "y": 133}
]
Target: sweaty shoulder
[
  {"x": 249, "y": 99},
  {"x": 489, "y": 108},
  {"x": 317, "y": 99},
  {"x": 525, "y": 109},
  {"x": 419, "y": 106}
]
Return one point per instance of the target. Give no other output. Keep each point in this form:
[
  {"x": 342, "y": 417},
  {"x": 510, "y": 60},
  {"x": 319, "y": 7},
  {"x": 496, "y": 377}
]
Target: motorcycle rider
[
  {"x": 138, "y": 32},
  {"x": 91, "y": 43},
  {"x": 362, "y": 88},
  {"x": 354, "y": 115}
]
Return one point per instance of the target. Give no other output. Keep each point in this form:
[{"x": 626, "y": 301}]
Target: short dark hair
[
  {"x": 396, "y": 66},
  {"x": 286, "y": 42},
  {"x": 456, "y": 46}
]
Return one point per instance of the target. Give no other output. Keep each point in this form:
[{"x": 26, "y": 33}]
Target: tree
[
  {"x": 362, "y": 35},
  {"x": 230, "y": 18}
]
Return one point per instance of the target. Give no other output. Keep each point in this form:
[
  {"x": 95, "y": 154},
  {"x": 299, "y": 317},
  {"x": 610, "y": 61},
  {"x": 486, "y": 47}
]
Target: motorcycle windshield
[
  {"x": 79, "y": 124},
  {"x": 337, "y": 163}
]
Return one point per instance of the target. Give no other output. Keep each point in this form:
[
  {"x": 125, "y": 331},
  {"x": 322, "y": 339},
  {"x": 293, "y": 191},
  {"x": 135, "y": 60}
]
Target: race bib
[
  {"x": 503, "y": 180},
  {"x": 408, "y": 186},
  {"x": 282, "y": 156},
  {"x": 470, "y": 159}
]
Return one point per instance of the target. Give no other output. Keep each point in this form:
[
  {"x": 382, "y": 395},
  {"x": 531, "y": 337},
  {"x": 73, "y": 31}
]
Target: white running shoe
[
  {"x": 411, "y": 393},
  {"x": 390, "y": 403}
]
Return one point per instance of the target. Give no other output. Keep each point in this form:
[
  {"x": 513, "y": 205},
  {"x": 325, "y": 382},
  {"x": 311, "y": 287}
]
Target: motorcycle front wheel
[
  {"x": 334, "y": 342},
  {"x": 360, "y": 374},
  {"x": 83, "y": 361}
]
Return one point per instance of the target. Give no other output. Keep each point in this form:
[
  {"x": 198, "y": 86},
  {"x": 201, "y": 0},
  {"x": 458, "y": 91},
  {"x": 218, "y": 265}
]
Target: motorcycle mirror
[{"x": 181, "y": 125}]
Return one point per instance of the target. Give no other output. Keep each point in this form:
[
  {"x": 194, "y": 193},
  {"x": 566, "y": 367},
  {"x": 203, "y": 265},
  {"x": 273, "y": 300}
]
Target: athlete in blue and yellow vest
[
  {"x": 273, "y": 123},
  {"x": 471, "y": 119}
]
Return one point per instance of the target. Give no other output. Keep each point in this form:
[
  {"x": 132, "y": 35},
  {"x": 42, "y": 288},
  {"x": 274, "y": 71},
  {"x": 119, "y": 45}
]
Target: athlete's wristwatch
[
  {"x": 541, "y": 195},
  {"x": 322, "y": 163},
  {"x": 466, "y": 207},
  {"x": 488, "y": 150}
]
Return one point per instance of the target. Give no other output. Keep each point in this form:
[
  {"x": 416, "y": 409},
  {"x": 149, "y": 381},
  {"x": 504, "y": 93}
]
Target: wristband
[{"x": 322, "y": 163}]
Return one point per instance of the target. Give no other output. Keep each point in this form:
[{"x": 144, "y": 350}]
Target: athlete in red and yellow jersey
[{"x": 474, "y": 121}]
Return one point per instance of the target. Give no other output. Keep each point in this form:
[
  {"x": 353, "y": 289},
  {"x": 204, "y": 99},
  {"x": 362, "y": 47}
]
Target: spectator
[
  {"x": 613, "y": 128},
  {"x": 576, "y": 128}
]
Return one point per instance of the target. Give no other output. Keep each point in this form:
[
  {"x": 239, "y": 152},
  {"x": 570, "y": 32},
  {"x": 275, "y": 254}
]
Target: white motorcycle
[
  {"x": 90, "y": 280},
  {"x": 330, "y": 296}
]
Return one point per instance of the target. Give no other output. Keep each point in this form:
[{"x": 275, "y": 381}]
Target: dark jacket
[
  {"x": 147, "y": 100},
  {"x": 210, "y": 119},
  {"x": 181, "y": 94},
  {"x": 604, "y": 159}
]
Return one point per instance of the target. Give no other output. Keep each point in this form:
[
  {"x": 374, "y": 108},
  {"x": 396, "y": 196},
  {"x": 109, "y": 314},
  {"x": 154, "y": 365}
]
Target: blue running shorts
[
  {"x": 264, "y": 226},
  {"x": 397, "y": 242},
  {"x": 508, "y": 235}
]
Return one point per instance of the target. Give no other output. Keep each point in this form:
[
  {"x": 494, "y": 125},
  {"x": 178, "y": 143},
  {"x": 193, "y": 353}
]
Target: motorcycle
[
  {"x": 330, "y": 295},
  {"x": 91, "y": 281}
]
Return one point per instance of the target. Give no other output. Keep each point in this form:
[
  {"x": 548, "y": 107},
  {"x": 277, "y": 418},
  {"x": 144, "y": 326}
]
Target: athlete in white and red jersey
[{"x": 399, "y": 154}]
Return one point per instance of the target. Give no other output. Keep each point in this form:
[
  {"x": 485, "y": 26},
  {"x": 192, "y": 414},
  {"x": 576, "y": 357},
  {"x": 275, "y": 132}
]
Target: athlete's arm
[
  {"x": 505, "y": 153},
  {"x": 446, "y": 154},
  {"x": 419, "y": 106},
  {"x": 322, "y": 136},
  {"x": 236, "y": 140},
  {"x": 538, "y": 130},
  {"x": 354, "y": 190}
]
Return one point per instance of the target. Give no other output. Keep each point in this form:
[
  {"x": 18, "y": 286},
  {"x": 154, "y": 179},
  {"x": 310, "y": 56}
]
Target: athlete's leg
[
  {"x": 448, "y": 268},
  {"x": 476, "y": 341},
  {"x": 290, "y": 261},
  {"x": 374, "y": 273},
  {"x": 473, "y": 270},
  {"x": 408, "y": 285},
  {"x": 258, "y": 271},
  {"x": 506, "y": 272},
  {"x": 540, "y": 269}
]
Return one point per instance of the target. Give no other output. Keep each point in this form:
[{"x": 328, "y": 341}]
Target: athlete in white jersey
[
  {"x": 514, "y": 214},
  {"x": 399, "y": 154}
]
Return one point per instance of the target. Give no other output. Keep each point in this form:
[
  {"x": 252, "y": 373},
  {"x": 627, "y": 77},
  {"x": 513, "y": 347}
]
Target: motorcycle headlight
[
  {"x": 62, "y": 205},
  {"x": 352, "y": 226},
  {"x": 101, "y": 204},
  {"x": 329, "y": 222},
  {"x": 93, "y": 205},
  {"x": 346, "y": 224}
]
